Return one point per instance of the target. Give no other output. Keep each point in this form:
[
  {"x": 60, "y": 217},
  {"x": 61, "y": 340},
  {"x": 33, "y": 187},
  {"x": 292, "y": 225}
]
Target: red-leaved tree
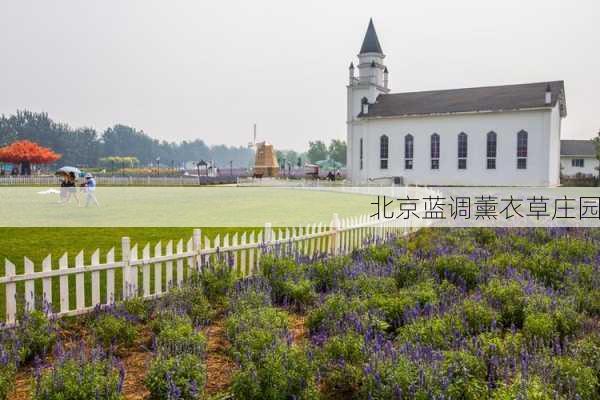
[{"x": 27, "y": 153}]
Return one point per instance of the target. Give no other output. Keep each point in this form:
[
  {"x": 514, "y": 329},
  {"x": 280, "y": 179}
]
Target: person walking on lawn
[{"x": 90, "y": 188}]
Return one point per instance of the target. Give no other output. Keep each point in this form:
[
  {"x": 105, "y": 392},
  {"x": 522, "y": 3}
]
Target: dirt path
[
  {"x": 219, "y": 367},
  {"x": 298, "y": 327}
]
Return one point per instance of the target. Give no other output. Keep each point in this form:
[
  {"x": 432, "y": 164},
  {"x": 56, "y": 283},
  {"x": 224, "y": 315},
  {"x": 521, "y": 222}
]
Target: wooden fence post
[
  {"x": 125, "y": 257},
  {"x": 334, "y": 238},
  {"x": 11, "y": 293},
  {"x": 268, "y": 235},
  {"x": 196, "y": 247}
]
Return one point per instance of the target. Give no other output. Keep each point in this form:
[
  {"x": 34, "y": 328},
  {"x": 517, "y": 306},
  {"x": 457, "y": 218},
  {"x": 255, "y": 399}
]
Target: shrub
[
  {"x": 388, "y": 380},
  {"x": 466, "y": 375},
  {"x": 216, "y": 280},
  {"x": 539, "y": 325},
  {"x": 348, "y": 347},
  {"x": 391, "y": 308},
  {"x": 590, "y": 302},
  {"x": 437, "y": 331},
  {"x": 566, "y": 319},
  {"x": 546, "y": 268},
  {"x": 339, "y": 313},
  {"x": 251, "y": 332},
  {"x": 530, "y": 389},
  {"x": 109, "y": 329},
  {"x": 380, "y": 254},
  {"x": 179, "y": 377},
  {"x": 508, "y": 298},
  {"x": 166, "y": 318},
  {"x": 188, "y": 300},
  {"x": 7, "y": 380},
  {"x": 289, "y": 282},
  {"x": 588, "y": 352},
  {"x": 407, "y": 272},
  {"x": 342, "y": 359},
  {"x": 572, "y": 378},
  {"x": 457, "y": 269},
  {"x": 75, "y": 376},
  {"x": 176, "y": 339},
  {"x": 298, "y": 294},
  {"x": 137, "y": 307},
  {"x": 325, "y": 273},
  {"x": 478, "y": 316},
  {"x": 282, "y": 373},
  {"x": 367, "y": 286},
  {"x": 500, "y": 344},
  {"x": 36, "y": 335},
  {"x": 250, "y": 293}
]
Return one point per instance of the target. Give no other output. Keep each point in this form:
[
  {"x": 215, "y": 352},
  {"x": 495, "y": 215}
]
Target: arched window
[
  {"x": 492, "y": 145},
  {"x": 522, "y": 150},
  {"x": 462, "y": 150},
  {"x": 384, "y": 143},
  {"x": 360, "y": 153},
  {"x": 408, "y": 151},
  {"x": 435, "y": 151}
]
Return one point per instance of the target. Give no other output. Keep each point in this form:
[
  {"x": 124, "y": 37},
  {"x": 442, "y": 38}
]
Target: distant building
[
  {"x": 265, "y": 164},
  {"x": 499, "y": 135},
  {"x": 578, "y": 157}
]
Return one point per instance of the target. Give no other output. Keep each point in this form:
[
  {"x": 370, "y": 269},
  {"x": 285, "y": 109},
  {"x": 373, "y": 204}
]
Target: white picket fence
[{"x": 143, "y": 276}]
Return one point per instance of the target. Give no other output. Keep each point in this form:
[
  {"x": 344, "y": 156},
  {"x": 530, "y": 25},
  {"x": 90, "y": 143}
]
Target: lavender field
[{"x": 442, "y": 314}]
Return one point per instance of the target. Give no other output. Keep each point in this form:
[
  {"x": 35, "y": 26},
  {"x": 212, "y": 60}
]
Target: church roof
[
  {"x": 582, "y": 148},
  {"x": 480, "y": 99},
  {"x": 371, "y": 41}
]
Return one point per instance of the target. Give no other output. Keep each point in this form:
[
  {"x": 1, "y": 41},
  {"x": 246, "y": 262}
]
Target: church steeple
[
  {"x": 371, "y": 41},
  {"x": 370, "y": 60}
]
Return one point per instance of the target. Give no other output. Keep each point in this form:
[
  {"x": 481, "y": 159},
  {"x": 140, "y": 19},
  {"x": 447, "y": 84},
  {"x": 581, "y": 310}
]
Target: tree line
[{"x": 86, "y": 147}]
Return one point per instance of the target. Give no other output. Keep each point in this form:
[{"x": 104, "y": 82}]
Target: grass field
[{"x": 178, "y": 206}]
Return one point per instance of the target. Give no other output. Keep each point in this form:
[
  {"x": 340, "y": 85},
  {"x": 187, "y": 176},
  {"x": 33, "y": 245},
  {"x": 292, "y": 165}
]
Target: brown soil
[
  {"x": 219, "y": 367},
  {"x": 298, "y": 327}
]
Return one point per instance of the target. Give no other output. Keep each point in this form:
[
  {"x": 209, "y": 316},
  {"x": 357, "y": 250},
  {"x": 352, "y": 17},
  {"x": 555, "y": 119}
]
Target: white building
[
  {"x": 578, "y": 157},
  {"x": 500, "y": 135}
]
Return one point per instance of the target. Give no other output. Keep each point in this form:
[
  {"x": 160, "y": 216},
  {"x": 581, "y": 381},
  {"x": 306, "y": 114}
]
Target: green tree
[
  {"x": 337, "y": 151},
  {"x": 317, "y": 151},
  {"x": 596, "y": 140}
]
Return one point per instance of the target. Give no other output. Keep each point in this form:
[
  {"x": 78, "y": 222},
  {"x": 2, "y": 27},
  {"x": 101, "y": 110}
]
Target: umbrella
[{"x": 68, "y": 170}]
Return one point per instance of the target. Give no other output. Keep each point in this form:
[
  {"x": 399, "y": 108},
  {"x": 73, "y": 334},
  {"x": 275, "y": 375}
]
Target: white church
[{"x": 489, "y": 136}]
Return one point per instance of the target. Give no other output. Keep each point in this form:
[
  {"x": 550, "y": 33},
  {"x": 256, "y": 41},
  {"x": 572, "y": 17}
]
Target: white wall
[
  {"x": 589, "y": 166},
  {"x": 543, "y": 127}
]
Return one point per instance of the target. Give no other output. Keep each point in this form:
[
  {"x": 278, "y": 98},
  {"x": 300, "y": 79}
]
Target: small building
[{"x": 578, "y": 158}]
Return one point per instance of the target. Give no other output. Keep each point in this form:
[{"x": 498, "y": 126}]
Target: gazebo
[{"x": 26, "y": 154}]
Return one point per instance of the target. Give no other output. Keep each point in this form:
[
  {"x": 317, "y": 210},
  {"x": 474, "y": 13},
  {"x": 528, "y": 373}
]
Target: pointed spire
[{"x": 371, "y": 42}]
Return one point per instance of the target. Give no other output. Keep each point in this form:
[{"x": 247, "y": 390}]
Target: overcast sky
[{"x": 210, "y": 69}]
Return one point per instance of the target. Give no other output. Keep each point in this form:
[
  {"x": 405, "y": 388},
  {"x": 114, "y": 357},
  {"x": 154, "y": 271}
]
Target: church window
[
  {"x": 492, "y": 140},
  {"x": 462, "y": 151},
  {"x": 360, "y": 151},
  {"x": 408, "y": 151},
  {"x": 578, "y": 162},
  {"x": 522, "y": 150},
  {"x": 384, "y": 142},
  {"x": 435, "y": 151}
]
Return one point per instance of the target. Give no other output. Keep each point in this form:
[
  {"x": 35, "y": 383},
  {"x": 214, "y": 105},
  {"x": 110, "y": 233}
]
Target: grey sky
[{"x": 209, "y": 69}]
